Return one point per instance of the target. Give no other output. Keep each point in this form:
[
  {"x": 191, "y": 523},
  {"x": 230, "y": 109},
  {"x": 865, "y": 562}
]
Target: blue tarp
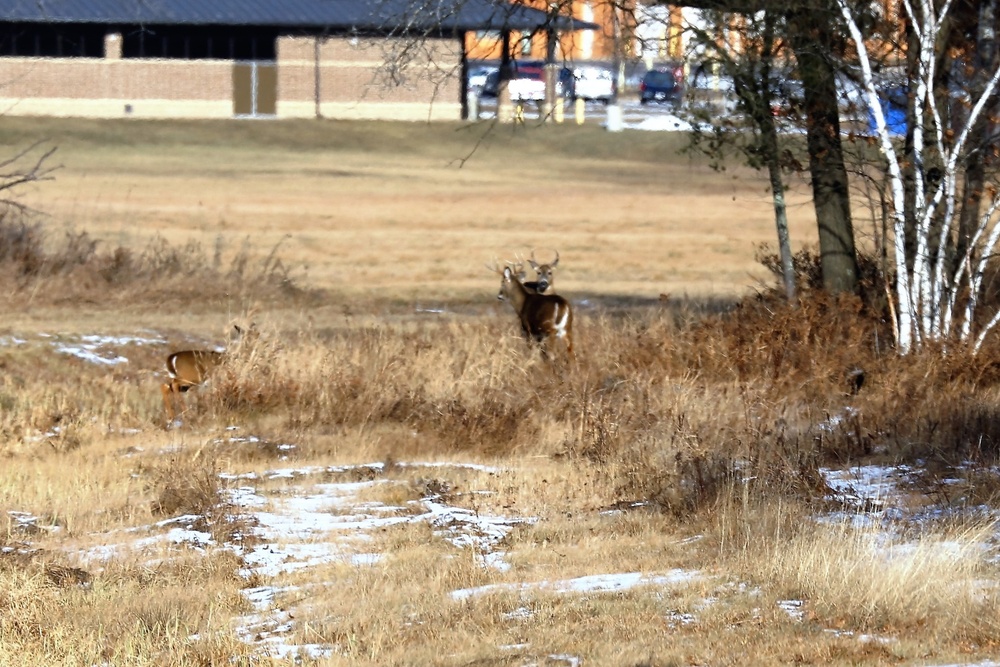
[{"x": 893, "y": 102}]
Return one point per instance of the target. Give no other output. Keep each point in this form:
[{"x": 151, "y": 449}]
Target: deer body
[
  {"x": 543, "y": 316},
  {"x": 187, "y": 369}
]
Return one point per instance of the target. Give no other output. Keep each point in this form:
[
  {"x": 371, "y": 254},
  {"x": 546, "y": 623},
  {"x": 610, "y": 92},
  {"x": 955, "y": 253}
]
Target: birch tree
[
  {"x": 754, "y": 69},
  {"x": 937, "y": 296}
]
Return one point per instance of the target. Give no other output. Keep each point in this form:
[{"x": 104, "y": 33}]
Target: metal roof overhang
[{"x": 383, "y": 16}]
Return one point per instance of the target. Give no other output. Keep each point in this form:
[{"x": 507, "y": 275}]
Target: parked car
[
  {"x": 707, "y": 77},
  {"x": 661, "y": 85},
  {"x": 566, "y": 84},
  {"x": 594, "y": 84},
  {"x": 787, "y": 97},
  {"x": 478, "y": 75},
  {"x": 527, "y": 84}
]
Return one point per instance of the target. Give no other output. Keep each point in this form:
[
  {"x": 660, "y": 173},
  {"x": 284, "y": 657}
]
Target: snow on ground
[
  {"x": 313, "y": 522},
  {"x": 310, "y": 521},
  {"x": 597, "y": 583},
  {"x": 661, "y": 123},
  {"x": 93, "y": 348}
]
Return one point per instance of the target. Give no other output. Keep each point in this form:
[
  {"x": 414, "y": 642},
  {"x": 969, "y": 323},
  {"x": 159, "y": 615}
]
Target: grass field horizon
[
  {"x": 386, "y": 473},
  {"x": 416, "y": 210}
]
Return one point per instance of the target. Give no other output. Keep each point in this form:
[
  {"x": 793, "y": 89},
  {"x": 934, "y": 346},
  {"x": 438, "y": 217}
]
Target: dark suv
[{"x": 661, "y": 85}]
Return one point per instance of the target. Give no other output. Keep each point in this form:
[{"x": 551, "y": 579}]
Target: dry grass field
[{"x": 385, "y": 473}]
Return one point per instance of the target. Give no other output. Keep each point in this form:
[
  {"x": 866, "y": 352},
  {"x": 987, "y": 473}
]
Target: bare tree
[
  {"x": 26, "y": 166},
  {"x": 755, "y": 69},
  {"x": 938, "y": 293}
]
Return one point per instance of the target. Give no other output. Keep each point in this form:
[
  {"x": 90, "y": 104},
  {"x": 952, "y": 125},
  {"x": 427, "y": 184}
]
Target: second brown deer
[
  {"x": 544, "y": 282},
  {"x": 190, "y": 368},
  {"x": 543, "y": 316}
]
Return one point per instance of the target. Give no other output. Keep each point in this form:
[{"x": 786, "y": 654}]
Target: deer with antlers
[
  {"x": 544, "y": 282},
  {"x": 543, "y": 316},
  {"x": 191, "y": 368}
]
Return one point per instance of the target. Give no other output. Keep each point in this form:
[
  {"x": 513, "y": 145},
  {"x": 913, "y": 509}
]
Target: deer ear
[{"x": 507, "y": 273}]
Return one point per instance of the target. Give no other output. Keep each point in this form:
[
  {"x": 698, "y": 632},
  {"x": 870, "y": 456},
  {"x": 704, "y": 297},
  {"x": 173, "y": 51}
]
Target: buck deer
[
  {"x": 190, "y": 368},
  {"x": 544, "y": 280},
  {"x": 543, "y": 316}
]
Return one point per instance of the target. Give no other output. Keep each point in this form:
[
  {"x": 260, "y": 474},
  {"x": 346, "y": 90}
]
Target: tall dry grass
[
  {"x": 42, "y": 268},
  {"x": 860, "y": 575},
  {"x": 176, "y": 614},
  {"x": 673, "y": 400},
  {"x": 689, "y": 433}
]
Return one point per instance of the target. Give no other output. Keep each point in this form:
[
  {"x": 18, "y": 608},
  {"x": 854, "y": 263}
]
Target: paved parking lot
[{"x": 634, "y": 115}]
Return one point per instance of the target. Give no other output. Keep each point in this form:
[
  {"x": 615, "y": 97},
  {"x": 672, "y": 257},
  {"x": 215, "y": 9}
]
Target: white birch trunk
[{"x": 930, "y": 298}]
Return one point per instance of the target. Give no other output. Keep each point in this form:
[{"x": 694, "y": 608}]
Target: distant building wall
[
  {"x": 345, "y": 78},
  {"x": 114, "y": 88}
]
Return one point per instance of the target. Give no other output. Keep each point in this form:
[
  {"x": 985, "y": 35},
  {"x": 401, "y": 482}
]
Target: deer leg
[
  {"x": 167, "y": 390},
  {"x": 172, "y": 395}
]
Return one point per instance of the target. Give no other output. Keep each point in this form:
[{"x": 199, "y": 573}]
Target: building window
[
  {"x": 198, "y": 44},
  {"x": 33, "y": 41},
  {"x": 174, "y": 42}
]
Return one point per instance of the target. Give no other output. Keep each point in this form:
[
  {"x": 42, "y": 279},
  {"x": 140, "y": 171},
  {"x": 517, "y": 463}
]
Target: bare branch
[{"x": 29, "y": 165}]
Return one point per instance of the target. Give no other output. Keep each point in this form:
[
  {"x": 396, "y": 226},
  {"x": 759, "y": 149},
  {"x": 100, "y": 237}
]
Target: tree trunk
[
  {"x": 812, "y": 40},
  {"x": 771, "y": 152},
  {"x": 781, "y": 222},
  {"x": 975, "y": 166}
]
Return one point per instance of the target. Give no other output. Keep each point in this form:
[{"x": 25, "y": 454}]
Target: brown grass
[
  {"x": 689, "y": 433},
  {"x": 374, "y": 214}
]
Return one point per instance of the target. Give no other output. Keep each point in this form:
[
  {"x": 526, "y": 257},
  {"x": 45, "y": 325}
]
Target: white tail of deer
[
  {"x": 543, "y": 316},
  {"x": 190, "y": 368}
]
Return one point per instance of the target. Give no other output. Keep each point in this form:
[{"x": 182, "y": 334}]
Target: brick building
[{"x": 400, "y": 59}]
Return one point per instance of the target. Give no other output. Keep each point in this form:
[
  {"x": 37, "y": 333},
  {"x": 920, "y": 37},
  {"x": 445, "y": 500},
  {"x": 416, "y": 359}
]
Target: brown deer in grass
[
  {"x": 190, "y": 368},
  {"x": 543, "y": 316},
  {"x": 544, "y": 282}
]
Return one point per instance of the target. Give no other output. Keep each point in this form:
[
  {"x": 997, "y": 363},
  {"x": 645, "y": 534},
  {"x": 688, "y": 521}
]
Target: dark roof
[{"x": 363, "y": 15}]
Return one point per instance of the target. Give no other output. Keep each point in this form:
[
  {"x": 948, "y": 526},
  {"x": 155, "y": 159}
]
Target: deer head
[{"x": 544, "y": 279}]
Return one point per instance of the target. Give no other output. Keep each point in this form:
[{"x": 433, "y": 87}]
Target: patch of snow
[
  {"x": 598, "y": 583},
  {"x": 88, "y": 354},
  {"x": 664, "y": 123},
  {"x": 793, "y": 608},
  {"x": 835, "y": 422},
  {"x": 89, "y": 347},
  {"x": 99, "y": 340},
  {"x": 866, "y": 487},
  {"x": 675, "y": 618}
]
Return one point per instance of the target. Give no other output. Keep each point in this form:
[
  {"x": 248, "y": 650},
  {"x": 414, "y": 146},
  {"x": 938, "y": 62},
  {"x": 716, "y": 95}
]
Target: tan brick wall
[
  {"x": 422, "y": 112},
  {"x": 96, "y": 78},
  {"x": 295, "y": 48},
  {"x": 354, "y": 83},
  {"x": 146, "y": 108}
]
